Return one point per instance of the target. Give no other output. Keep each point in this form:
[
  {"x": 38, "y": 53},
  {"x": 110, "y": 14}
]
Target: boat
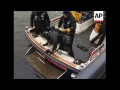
[{"x": 60, "y": 61}]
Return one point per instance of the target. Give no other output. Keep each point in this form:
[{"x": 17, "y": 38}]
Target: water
[{"x": 21, "y": 20}]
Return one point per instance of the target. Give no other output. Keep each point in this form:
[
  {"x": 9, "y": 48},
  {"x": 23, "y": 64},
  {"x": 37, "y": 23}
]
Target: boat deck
[
  {"x": 82, "y": 39},
  {"x": 43, "y": 70}
]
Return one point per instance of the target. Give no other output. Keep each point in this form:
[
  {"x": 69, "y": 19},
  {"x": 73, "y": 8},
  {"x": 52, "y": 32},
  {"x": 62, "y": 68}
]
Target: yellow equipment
[
  {"x": 97, "y": 27},
  {"x": 68, "y": 30},
  {"x": 76, "y": 15}
]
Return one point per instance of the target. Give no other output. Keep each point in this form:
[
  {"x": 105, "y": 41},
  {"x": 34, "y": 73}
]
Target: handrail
[
  {"x": 93, "y": 70},
  {"x": 96, "y": 49},
  {"x": 51, "y": 20}
]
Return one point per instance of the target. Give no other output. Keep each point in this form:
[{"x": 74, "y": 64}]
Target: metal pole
[{"x": 30, "y": 50}]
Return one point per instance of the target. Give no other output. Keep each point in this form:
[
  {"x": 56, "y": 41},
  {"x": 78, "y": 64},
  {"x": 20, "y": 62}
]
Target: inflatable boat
[{"x": 82, "y": 49}]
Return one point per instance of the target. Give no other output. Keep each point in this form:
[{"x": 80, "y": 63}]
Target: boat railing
[
  {"x": 55, "y": 20},
  {"x": 97, "y": 50}
]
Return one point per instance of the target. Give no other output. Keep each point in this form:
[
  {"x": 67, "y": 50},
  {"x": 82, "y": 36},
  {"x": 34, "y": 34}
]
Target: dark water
[{"x": 22, "y": 19}]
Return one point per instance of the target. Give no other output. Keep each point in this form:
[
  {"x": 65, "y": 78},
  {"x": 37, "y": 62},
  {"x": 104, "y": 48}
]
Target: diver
[
  {"x": 69, "y": 24},
  {"x": 40, "y": 20},
  {"x": 52, "y": 38}
]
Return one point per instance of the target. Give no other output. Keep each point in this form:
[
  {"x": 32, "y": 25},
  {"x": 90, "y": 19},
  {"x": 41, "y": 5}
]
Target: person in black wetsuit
[
  {"x": 40, "y": 20},
  {"x": 52, "y": 38},
  {"x": 69, "y": 23}
]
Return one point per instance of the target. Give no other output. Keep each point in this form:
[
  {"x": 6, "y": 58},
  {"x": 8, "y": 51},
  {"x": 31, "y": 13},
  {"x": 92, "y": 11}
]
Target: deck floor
[{"x": 82, "y": 39}]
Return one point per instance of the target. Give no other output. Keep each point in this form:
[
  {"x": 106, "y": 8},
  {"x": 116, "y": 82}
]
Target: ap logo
[{"x": 98, "y": 16}]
